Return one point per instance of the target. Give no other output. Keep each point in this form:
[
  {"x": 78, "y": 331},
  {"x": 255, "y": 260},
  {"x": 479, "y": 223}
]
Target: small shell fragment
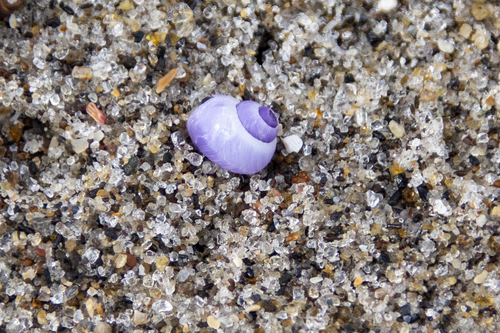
[
  {"x": 95, "y": 113},
  {"x": 165, "y": 81},
  {"x": 292, "y": 143}
]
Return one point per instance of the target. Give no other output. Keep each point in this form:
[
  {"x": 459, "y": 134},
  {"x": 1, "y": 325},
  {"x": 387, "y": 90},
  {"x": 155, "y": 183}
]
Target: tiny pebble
[
  {"x": 98, "y": 136},
  {"x": 131, "y": 261},
  {"x": 252, "y": 308},
  {"x": 292, "y": 237},
  {"x": 495, "y": 211},
  {"x": 41, "y": 317},
  {"x": 386, "y": 5},
  {"x": 451, "y": 280},
  {"x": 80, "y": 145},
  {"x": 53, "y": 22},
  {"x": 103, "y": 327},
  {"x": 465, "y": 30},
  {"x": 27, "y": 262},
  {"x": 29, "y": 274},
  {"x": 12, "y": 21},
  {"x": 316, "y": 279},
  {"x": 167, "y": 157},
  {"x": 138, "y": 36},
  {"x": 445, "y": 46},
  {"x": 140, "y": 318},
  {"x": 121, "y": 260},
  {"x": 201, "y": 46},
  {"x": 80, "y": 72},
  {"x": 478, "y": 279},
  {"x": 481, "y": 39},
  {"x": 238, "y": 261},
  {"x": 161, "y": 263},
  {"x": 396, "y": 129},
  {"x": 481, "y": 221},
  {"x": 357, "y": 282},
  {"x": 302, "y": 177},
  {"x": 131, "y": 167},
  {"x": 480, "y": 11},
  {"x": 212, "y": 322},
  {"x": 165, "y": 80},
  {"x": 67, "y": 9},
  {"x": 125, "y": 5},
  {"x": 89, "y": 304}
]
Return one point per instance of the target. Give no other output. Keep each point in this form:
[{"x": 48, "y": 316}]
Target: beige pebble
[
  {"x": 292, "y": 310},
  {"x": 252, "y": 308},
  {"x": 102, "y": 327},
  {"x": 396, "y": 129},
  {"x": 481, "y": 39},
  {"x": 161, "y": 263},
  {"x": 481, "y": 277},
  {"x": 480, "y": 11},
  {"x": 496, "y": 23},
  {"x": 29, "y": 274},
  {"x": 140, "y": 318},
  {"x": 357, "y": 282},
  {"x": 451, "y": 280},
  {"x": 495, "y": 211},
  {"x": 465, "y": 30},
  {"x": 207, "y": 80},
  {"x": 80, "y": 72},
  {"x": 13, "y": 21},
  {"x": 445, "y": 46},
  {"x": 42, "y": 317},
  {"x": 125, "y": 5},
  {"x": 482, "y": 42},
  {"x": 70, "y": 245},
  {"x": 212, "y": 322},
  {"x": 90, "y": 307},
  {"x": 238, "y": 261},
  {"x": 121, "y": 260}
]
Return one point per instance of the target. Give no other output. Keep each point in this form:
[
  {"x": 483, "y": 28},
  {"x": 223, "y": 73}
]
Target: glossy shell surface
[{"x": 238, "y": 136}]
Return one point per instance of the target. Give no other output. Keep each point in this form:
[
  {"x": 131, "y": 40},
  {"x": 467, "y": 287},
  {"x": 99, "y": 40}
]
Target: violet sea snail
[{"x": 237, "y": 136}]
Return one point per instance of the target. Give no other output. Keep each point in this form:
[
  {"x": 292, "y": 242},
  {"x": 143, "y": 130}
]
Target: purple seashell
[{"x": 237, "y": 136}]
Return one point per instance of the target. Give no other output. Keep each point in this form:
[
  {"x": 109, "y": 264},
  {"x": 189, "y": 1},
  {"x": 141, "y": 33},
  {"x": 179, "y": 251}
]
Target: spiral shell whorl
[
  {"x": 259, "y": 121},
  {"x": 218, "y": 132}
]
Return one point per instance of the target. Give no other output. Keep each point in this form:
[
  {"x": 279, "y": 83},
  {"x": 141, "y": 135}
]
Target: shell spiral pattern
[{"x": 237, "y": 136}]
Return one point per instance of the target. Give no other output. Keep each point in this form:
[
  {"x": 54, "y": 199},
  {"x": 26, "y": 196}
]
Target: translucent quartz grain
[{"x": 80, "y": 72}]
